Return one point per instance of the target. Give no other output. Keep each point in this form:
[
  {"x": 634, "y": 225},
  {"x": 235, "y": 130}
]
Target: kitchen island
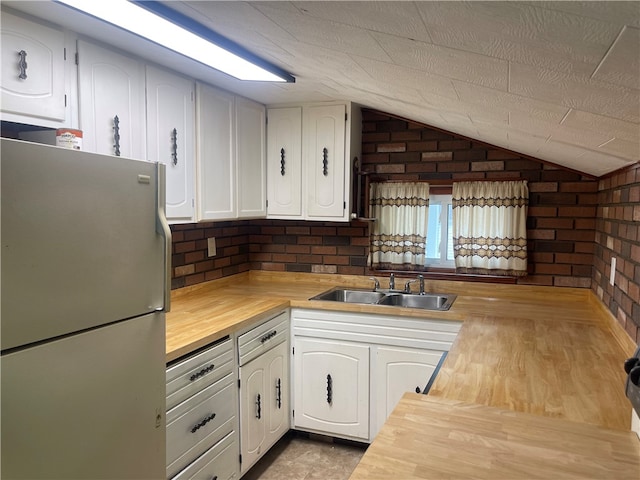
[{"x": 550, "y": 352}]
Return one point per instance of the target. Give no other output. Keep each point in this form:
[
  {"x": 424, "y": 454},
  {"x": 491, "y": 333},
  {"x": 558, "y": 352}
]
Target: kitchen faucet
[
  {"x": 376, "y": 284},
  {"x": 407, "y": 286},
  {"x": 392, "y": 282}
]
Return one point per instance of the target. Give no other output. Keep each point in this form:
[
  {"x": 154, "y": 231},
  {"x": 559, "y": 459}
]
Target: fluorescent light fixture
[{"x": 156, "y": 22}]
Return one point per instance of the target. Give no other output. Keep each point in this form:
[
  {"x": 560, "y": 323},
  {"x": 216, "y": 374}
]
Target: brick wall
[
  {"x": 275, "y": 245},
  {"x": 618, "y": 235},
  {"x": 562, "y": 206}
]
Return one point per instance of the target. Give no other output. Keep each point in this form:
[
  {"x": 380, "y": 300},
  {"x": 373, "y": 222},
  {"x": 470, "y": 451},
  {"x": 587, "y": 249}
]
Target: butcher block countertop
[
  {"x": 533, "y": 354},
  {"x": 427, "y": 437}
]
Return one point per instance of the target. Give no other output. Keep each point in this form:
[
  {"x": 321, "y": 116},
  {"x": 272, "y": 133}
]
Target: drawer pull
[
  {"x": 268, "y": 336},
  {"x": 203, "y": 423},
  {"x": 202, "y": 372},
  {"x": 279, "y": 394},
  {"x": 259, "y": 405},
  {"x": 329, "y": 389}
]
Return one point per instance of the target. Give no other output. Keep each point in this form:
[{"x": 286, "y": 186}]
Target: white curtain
[
  {"x": 399, "y": 234},
  {"x": 490, "y": 227}
]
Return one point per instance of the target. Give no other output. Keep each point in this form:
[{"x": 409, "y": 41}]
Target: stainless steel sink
[
  {"x": 426, "y": 301},
  {"x": 350, "y": 296},
  {"x": 398, "y": 299}
]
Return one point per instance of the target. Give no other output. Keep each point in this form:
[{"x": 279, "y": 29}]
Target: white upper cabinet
[
  {"x": 324, "y": 158},
  {"x": 310, "y": 155},
  {"x": 33, "y": 72},
  {"x": 231, "y": 156},
  {"x": 284, "y": 162},
  {"x": 112, "y": 102},
  {"x": 250, "y": 158},
  {"x": 171, "y": 138},
  {"x": 216, "y": 154}
]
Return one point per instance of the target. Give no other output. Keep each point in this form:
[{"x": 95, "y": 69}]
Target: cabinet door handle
[
  {"x": 279, "y": 394},
  {"x": 174, "y": 146},
  {"x": 282, "y": 162},
  {"x": 325, "y": 161},
  {"x": 116, "y": 135},
  {"x": 206, "y": 420},
  {"x": 202, "y": 372},
  {"x": 22, "y": 64},
  {"x": 259, "y": 405},
  {"x": 329, "y": 389}
]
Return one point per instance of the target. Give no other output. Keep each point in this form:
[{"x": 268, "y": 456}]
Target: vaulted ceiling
[{"x": 554, "y": 80}]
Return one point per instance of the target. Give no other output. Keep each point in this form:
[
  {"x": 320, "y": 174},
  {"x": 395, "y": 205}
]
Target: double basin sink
[{"x": 427, "y": 301}]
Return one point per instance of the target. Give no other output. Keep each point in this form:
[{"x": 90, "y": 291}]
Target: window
[{"x": 439, "y": 232}]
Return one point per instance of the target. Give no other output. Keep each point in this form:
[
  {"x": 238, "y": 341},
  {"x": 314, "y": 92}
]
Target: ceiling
[{"x": 554, "y": 80}]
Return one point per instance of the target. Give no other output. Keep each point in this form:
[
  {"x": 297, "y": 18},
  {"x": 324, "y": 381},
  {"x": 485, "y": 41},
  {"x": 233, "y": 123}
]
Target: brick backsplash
[
  {"x": 575, "y": 222},
  {"x": 618, "y": 235}
]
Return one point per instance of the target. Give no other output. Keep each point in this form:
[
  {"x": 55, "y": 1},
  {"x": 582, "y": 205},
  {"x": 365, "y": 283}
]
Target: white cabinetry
[
  {"x": 383, "y": 357},
  {"x": 250, "y": 159},
  {"x": 202, "y": 415},
  {"x": 399, "y": 370},
  {"x": 231, "y": 156},
  {"x": 332, "y": 387},
  {"x": 171, "y": 138},
  {"x": 33, "y": 72},
  {"x": 318, "y": 144},
  {"x": 264, "y": 387},
  {"x": 112, "y": 102},
  {"x": 284, "y": 157}
]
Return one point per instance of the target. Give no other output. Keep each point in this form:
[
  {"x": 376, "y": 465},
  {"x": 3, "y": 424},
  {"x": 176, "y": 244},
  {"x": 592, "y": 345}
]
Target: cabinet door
[
  {"x": 332, "y": 387},
  {"x": 324, "y": 161},
  {"x": 277, "y": 392},
  {"x": 400, "y": 370},
  {"x": 264, "y": 403},
  {"x": 250, "y": 159},
  {"x": 171, "y": 138},
  {"x": 284, "y": 162},
  {"x": 216, "y": 154},
  {"x": 112, "y": 102},
  {"x": 33, "y": 80},
  {"x": 253, "y": 429}
]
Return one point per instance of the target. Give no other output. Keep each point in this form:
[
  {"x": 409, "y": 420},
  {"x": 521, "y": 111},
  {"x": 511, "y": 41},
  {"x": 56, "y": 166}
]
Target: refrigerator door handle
[{"x": 162, "y": 227}]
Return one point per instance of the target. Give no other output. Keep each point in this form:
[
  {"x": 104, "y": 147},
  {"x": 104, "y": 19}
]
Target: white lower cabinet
[
  {"x": 263, "y": 354},
  {"x": 202, "y": 415},
  {"x": 350, "y": 370},
  {"x": 332, "y": 387},
  {"x": 264, "y": 403},
  {"x": 399, "y": 370}
]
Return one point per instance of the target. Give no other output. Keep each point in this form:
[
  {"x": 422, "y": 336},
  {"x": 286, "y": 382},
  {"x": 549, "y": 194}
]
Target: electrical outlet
[
  {"x": 612, "y": 273},
  {"x": 211, "y": 247}
]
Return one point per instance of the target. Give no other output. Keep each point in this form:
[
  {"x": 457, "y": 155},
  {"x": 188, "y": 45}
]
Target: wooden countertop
[
  {"x": 555, "y": 353},
  {"x": 434, "y": 438}
]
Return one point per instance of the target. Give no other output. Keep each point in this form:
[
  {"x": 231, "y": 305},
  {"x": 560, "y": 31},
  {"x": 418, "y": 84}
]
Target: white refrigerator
[{"x": 85, "y": 255}]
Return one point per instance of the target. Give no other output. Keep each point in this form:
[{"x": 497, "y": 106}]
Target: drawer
[
  {"x": 195, "y": 425},
  {"x": 187, "y": 377},
  {"x": 220, "y": 462},
  {"x": 372, "y": 329},
  {"x": 263, "y": 337}
]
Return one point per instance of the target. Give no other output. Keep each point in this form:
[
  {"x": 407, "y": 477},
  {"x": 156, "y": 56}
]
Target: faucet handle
[{"x": 376, "y": 285}]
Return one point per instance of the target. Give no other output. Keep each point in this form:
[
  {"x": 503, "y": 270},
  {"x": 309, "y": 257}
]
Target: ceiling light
[{"x": 156, "y": 22}]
